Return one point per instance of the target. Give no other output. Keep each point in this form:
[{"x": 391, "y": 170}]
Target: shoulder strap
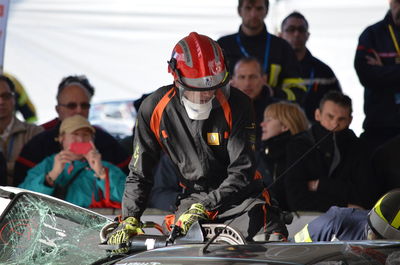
[
  {"x": 157, "y": 113},
  {"x": 61, "y": 191}
]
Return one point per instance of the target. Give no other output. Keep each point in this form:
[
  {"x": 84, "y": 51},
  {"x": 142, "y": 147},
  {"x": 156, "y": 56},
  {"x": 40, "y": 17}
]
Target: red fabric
[
  {"x": 26, "y": 162},
  {"x": 105, "y": 201},
  {"x": 169, "y": 221},
  {"x": 50, "y": 124}
]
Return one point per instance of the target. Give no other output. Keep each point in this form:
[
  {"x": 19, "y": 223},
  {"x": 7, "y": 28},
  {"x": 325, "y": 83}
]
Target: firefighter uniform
[
  {"x": 214, "y": 157},
  {"x": 276, "y": 57}
]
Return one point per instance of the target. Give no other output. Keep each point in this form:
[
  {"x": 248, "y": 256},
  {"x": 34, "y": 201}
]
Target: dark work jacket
[
  {"x": 44, "y": 145},
  {"x": 3, "y": 170},
  {"x": 381, "y": 83},
  {"x": 386, "y": 166},
  {"x": 318, "y": 79},
  {"x": 337, "y": 223},
  {"x": 283, "y": 70},
  {"x": 271, "y": 162},
  {"x": 214, "y": 157},
  {"x": 348, "y": 182}
]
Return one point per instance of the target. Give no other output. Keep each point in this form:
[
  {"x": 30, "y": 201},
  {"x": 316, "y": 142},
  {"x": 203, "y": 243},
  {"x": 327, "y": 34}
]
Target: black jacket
[
  {"x": 213, "y": 156},
  {"x": 339, "y": 185},
  {"x": 381, "y": 83},
  {"x": 44, "y": 145},
  {"x": 318, "y": 79},
  {"x": 283, "y": 69},
  {"x": 386, "y": 166},
  {"x": 271, "y": 162}
]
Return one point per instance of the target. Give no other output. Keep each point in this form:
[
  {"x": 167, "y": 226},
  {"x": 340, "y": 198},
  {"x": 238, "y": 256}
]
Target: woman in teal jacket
[{"x": 77, "y": 173}]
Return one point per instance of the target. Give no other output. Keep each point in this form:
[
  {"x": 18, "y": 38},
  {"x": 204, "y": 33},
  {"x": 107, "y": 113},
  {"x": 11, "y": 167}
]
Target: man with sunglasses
[
  {"x": 318, "y": 77},
  {"x": 207, "y": 129},
  {"x": 14, "y": 134},
  {"x": 73, "y": 97}
]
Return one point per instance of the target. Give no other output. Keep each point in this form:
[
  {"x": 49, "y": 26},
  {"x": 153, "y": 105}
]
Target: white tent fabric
[{"x": 122, "y": 45}]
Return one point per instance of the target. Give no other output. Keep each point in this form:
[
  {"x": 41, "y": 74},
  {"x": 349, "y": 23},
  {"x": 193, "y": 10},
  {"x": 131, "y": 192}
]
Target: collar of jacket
[
  {"x": 276, "y": 146},
  {"x": 262, "y": 35},
  {"x": 389, "y": 20},
  {"x": 307, "y": 58},
  {"x": 319, "y": 132},
  {"x": 18, "y": 126}
]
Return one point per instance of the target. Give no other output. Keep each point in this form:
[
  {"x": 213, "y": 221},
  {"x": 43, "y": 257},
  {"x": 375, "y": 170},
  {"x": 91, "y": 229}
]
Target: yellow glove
[
  {"x": 195, "y": 213},
  {"x": 126, "y": 229}
]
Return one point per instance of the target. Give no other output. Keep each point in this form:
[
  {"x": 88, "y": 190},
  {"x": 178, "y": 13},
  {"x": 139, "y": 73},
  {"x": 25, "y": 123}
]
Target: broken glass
[{"x": 40, "y": 230}]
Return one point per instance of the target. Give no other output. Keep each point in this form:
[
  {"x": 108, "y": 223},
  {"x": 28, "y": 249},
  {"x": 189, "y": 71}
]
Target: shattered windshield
[{"x": 40, "y": 230}]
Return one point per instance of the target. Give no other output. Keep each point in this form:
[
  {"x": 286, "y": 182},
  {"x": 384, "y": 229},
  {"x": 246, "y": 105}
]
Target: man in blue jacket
[{"x": 377, "y": 63}]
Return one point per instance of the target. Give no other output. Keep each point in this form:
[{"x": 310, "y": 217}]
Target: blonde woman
[{"x": 281, "y": 121}]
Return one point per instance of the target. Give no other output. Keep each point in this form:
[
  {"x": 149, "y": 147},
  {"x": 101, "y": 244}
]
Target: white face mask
[{"x": 197, "y": 111}]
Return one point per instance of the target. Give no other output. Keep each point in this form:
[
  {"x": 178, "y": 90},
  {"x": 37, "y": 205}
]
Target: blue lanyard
[
  {"x": 311, "y": 80},
  {"x": 267, "y": 48}
]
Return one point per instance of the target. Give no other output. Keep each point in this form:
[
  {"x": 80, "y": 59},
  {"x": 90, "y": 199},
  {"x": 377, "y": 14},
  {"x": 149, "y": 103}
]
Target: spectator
[
  {"x": 334, "y": 168},
  {"x": 210, "y": 139},
  {"x": 249, "y": 77},
  {"x": 377, "y": 64},
  {"x": 23, "y": 103},
  {"x": 318, "y": 77},
  {"x": 73, "y": 97},
  {"x": 77, "y": 173},
  {"x": 281, "y": 121},
  {"x": 356, "y": 224},
  {"x": 253, "y": 40},
  {"x": 14, "y": 134},
  {"x": 80, "y": 80},
  {"x": 3, "y": 170}
]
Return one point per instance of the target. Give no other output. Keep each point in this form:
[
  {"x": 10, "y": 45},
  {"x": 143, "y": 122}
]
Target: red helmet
[{"x": 197, "y": 63}]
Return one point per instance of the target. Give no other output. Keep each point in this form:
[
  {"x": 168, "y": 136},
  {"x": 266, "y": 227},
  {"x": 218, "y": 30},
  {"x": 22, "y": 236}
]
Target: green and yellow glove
[
  {"x": 128, "y": 228},
  {"x": 195, "y": 213}
]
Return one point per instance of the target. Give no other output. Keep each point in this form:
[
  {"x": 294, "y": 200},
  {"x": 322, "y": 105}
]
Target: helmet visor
[{"x": 204, "y": 96}]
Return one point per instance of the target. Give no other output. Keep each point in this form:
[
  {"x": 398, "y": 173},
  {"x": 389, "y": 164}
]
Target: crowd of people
[{"x": 236, "y": 142}]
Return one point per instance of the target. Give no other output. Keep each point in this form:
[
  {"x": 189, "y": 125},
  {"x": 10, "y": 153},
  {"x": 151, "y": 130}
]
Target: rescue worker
[
  {"x": 377, "y": 63},
  {"x": 278, "y": 60},
  {"x": 355, "y": 224},
  {"x": 207, "y": 129},
  {"x": 317, "y": 76}
]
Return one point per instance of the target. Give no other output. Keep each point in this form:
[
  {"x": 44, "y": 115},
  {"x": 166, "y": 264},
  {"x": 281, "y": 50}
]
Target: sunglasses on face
[
  {"x": 7, "y": 95},
  {"x": 292, "y": 29},
  {"x": 74, "y": 105}
]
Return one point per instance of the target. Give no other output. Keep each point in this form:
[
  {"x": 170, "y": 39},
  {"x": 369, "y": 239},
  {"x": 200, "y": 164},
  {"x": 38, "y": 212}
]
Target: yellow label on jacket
[{"x": 213, "y": 138}]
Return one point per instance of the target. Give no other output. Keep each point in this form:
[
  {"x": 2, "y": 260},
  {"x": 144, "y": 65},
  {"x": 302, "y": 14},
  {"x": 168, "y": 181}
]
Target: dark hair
[
  {"x": 338, "y": 98},
  {"x": 80, "y": 79},
  {"x": 294, "y": 14},
  {"x": 9, "y": 82},
  {"x": 252, "y": 1},
  {"x": 249, "y": 60}
]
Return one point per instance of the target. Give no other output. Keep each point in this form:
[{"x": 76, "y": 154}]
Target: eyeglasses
[
  {"x": 292, "y": 29},
  {"x": 74, "y": 105},
  {"x": 7, "y": 95}
]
